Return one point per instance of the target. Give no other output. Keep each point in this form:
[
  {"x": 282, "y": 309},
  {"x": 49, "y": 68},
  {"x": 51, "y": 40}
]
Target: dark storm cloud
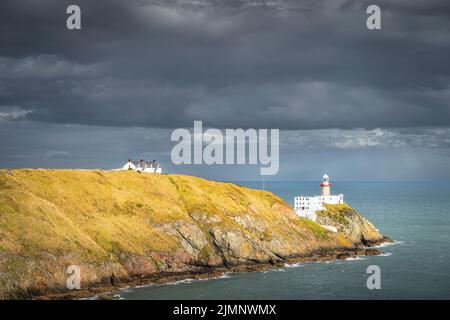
[{"x": 284, "y": 64}]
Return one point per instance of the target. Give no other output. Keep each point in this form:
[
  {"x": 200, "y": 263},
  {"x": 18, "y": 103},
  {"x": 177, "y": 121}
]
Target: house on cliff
[{"x": 142, "y": 166}]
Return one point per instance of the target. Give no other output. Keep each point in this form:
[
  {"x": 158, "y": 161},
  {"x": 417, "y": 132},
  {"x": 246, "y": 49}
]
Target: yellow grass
[{"x": 94, "y": 213}]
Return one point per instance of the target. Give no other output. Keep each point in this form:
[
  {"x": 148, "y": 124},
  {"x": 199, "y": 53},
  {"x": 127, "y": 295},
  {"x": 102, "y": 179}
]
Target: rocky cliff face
[
  {"x": 352, "y": 225},
  {"x": 118, "y": 226}
]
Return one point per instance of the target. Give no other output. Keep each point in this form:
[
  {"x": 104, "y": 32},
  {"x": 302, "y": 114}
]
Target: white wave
[
  {"x": 225, "y": 275},
  {"x": 293, "y": 265},
  {"x": 278, "y": 270},
  {"x": 140, "y": 286},
  {"x": 354, "y": 258},
  {"x": 125, "y": 289},
  {"x": 174, "y": 283},
  {"x": 386, "y": 254},
  {"x": 388, "y": 244}
]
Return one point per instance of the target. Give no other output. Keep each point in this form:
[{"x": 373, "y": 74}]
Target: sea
[{"x": 417, "y": 266}]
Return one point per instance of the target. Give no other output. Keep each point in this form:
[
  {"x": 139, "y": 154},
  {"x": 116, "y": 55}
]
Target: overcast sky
[{"x": 359, "y": 104}]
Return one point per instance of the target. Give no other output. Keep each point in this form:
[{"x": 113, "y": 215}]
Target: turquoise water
[{"x": 416, "y": 215}]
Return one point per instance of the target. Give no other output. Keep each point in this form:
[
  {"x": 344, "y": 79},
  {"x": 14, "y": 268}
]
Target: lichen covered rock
[{"x": 351, "y": 224}]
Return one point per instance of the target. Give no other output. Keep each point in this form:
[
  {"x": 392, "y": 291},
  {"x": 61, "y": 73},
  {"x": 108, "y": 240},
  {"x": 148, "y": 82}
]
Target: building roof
[{"x": 143, "y": 162}]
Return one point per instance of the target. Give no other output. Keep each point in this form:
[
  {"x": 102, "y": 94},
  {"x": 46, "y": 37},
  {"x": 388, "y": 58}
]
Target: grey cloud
[
  {"x": 406, "y": 154},
  {"x": 285, "y": 64},
  {"x": 419, "y": 138},
  {"x": 12, "y": 113},
  {"x": 34, "y": 144},
  {"x": 33, "y": 68}
]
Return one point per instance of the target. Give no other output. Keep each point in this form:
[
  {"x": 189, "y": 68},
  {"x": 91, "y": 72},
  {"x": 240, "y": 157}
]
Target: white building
[
  {"x": 142, "y": 166},
  {"x": 307, "y": 206}
]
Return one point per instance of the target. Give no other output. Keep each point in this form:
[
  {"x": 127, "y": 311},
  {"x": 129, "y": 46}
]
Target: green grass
[{"x": 336, "y": 212}]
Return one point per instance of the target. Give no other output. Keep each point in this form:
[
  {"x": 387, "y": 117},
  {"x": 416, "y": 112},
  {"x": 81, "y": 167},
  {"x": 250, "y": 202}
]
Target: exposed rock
[
  {"x": 124, "y": 227},
  {"x": 351, "y": 224}
]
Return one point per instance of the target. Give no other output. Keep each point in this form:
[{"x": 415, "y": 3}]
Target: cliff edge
[{"x": 118, "y": 226}]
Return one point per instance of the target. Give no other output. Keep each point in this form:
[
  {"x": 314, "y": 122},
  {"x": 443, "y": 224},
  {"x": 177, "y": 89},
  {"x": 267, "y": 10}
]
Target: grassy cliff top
[
  {"x": 128, "y": 224},
  {"x": 94, "y": 212}
]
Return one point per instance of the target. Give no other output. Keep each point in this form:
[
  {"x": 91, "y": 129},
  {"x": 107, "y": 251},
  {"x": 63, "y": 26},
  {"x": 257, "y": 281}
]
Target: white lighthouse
[
  {"x": 307, "y": 206},
  {"x": 325, "y": 185}
]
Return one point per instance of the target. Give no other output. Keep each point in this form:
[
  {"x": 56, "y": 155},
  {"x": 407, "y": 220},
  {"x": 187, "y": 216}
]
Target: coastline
[
  {"x": 134, "y": 230},
  {"x": 107, "y": 291}
]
